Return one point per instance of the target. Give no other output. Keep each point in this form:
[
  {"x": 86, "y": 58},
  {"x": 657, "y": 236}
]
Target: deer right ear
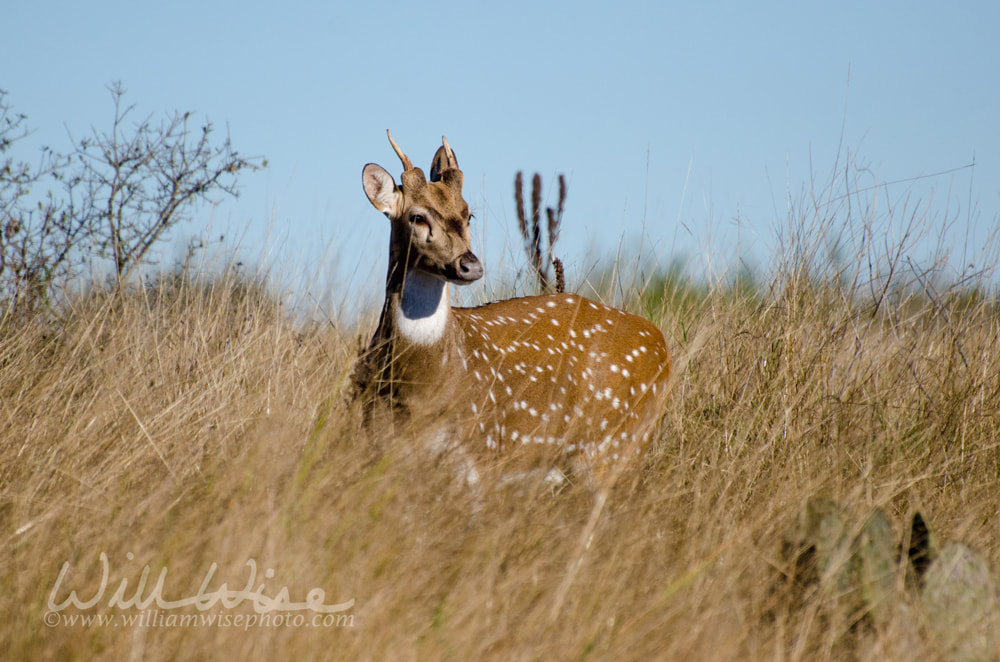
[{"x": 381, "y": 189}]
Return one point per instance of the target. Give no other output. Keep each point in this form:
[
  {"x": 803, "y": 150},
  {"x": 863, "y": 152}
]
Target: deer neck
[
  {"x": 414, "y": 348},
  {"x": 422, "y": 310}
]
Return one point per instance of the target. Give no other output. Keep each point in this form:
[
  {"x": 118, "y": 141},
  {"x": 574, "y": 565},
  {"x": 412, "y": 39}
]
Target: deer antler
[
  {"x": 407, "y": 163},
  {"x": 449, "y": 154}
]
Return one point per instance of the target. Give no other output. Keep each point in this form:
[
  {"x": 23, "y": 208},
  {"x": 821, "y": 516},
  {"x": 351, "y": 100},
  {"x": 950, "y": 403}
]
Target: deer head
[{"x": 430, "y": 219}]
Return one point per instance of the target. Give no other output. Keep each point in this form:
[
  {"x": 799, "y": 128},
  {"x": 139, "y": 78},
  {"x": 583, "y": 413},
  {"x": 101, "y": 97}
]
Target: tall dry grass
[{"x": 198, "y": 423}]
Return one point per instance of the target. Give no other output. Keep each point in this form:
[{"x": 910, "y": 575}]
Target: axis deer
[
  {"x": 533, "y": 372},
  {"x": 548, "y": 377}
]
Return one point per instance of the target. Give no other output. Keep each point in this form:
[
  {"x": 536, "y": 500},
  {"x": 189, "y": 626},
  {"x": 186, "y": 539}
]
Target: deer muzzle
[{"x": 466, "y": 269}]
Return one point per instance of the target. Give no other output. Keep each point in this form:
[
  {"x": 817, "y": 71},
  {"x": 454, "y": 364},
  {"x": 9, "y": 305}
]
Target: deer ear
[
  {"x": 442, "y": 162},
  {"x": 381, "y": 189}
]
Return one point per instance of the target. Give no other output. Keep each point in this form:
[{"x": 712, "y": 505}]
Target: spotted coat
[{"x": 563, "y": 372}]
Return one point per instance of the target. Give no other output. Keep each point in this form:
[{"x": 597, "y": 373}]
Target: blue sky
[{"x": 679, "y": 127}]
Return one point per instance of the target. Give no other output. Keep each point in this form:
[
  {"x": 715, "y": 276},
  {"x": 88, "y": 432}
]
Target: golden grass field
[{"x": 198, "y": 424}]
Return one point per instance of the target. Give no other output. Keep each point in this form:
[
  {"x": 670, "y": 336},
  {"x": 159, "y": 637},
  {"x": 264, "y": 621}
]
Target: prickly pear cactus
[
  {"x": 959, "y": 598},
  {"x": 851, "y": 561},
  {"x": 848, "y": 567}
]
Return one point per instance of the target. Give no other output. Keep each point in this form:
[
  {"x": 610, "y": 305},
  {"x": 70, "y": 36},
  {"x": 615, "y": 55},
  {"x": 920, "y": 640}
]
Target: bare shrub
[{"x": 112, "y": 198}]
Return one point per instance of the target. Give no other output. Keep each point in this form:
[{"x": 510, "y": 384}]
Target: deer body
[
  {"x": 563, "y": 371},
  {"x": 554, "y": 375}
]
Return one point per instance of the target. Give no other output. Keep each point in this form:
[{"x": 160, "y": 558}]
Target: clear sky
[{"x": 680, "y": 125}]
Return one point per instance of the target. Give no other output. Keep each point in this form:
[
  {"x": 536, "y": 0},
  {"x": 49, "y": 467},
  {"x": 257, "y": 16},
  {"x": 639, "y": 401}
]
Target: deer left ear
[
  {"x": 444, "y": 160},
  {"x": 381, "y": 189}
]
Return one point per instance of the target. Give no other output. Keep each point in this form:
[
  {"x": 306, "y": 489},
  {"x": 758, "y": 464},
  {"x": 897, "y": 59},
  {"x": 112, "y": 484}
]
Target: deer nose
[{"x": 469, "y": 267}]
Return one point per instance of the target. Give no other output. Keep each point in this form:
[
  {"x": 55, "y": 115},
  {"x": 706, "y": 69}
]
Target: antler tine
[
  {"x": 452, "y": 161},
  {"x": 407, "y": 163}
]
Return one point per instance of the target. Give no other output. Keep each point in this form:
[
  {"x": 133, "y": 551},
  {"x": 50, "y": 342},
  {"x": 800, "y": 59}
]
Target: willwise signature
[{"x": 203, "y": 600}]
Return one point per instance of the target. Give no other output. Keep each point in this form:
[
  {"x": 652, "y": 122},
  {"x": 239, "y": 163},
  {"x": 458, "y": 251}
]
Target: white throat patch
[{"x": 423, "y": 309}]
